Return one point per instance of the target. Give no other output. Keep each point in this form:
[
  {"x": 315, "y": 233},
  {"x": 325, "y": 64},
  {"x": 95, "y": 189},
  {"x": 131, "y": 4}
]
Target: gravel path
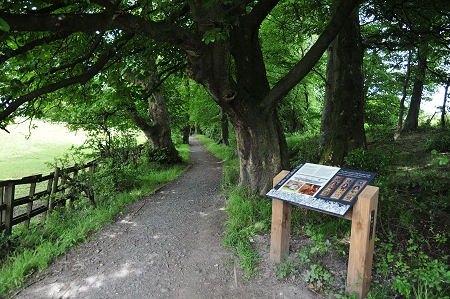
[{"x": 166, "y": 246}]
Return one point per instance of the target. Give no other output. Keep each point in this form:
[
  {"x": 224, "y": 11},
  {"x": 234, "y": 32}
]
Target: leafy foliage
[
  {"x": 439, "y": 141},
  {"x": 375, "y": 160}
]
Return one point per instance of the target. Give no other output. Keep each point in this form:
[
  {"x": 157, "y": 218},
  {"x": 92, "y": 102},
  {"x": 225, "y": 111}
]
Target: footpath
[{"x": 167, "y": 245}]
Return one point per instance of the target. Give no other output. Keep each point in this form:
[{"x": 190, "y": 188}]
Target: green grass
[
  {"x": 21, "y": 156},
  {"x": 65, "y": 228}
]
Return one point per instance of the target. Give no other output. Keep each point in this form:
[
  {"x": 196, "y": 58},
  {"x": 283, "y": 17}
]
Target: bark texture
[
  {"x": 224, "y": 132},
  {"x": 412, "y": 119},
  {"x": 157, "y": 126},
  {"x": 342, "y": 119}
]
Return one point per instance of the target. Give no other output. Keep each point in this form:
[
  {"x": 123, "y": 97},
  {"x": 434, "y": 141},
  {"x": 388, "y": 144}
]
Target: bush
[
  {"x": 439, "y": 142},
  {"x": 374, "y": 161},
  {"x": 303, "y": 149},
  {"x": 159, "y": 155}
]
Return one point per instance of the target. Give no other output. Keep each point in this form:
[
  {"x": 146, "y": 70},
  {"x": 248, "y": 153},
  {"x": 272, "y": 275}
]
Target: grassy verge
[
  {"x": 248, "y": 214},
  {"x": 36, "y": 246}
]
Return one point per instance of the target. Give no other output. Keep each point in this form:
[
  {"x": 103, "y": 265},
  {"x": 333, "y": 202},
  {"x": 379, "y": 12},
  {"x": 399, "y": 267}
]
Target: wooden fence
[{"x": 17, "y": 210}]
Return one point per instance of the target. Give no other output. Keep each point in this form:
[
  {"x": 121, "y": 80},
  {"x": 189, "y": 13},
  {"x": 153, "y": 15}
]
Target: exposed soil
[{"x": 167, "y": 245}]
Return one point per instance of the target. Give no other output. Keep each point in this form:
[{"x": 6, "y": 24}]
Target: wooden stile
[
  {"x": 55, "y": 185},
  {"x": 30, "y": 204}
]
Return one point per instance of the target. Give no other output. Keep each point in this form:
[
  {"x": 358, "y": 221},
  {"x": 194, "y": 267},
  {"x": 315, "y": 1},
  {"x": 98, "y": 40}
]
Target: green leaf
[{"x": 3, "y": 25}]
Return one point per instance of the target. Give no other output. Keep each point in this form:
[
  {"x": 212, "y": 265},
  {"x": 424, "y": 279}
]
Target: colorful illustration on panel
[
  {"x": 331, "y": 186},
  {"x": 342, "y": 188},
  {"x": 359, "y": 184},
  {"x": 309, "y": 189},
  {"x": 292, "y": 185}
]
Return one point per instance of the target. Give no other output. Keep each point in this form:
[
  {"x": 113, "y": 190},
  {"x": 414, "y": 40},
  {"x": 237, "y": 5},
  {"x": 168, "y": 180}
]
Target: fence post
[
  {"x": 362, "y": 241},
  {"x": 63, "y": 191},
  {"x": 47, "y": 201},
  {"x": 9, "y": 200},
  {"x": 30, "y": 204},
  {"x": 281, "y": 225},
  {"x": 2, "y": 211},
  {"x": 73, "y": 189},
  {"x": 54, "y": 190}
]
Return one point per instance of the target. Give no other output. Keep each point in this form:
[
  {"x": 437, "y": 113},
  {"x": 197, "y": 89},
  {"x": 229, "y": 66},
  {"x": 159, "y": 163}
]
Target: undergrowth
[{"x": 412, "y": 239}]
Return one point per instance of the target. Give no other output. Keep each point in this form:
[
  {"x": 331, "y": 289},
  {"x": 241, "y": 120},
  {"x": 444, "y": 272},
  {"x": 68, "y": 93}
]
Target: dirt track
[{"x": 166, "y": 246}]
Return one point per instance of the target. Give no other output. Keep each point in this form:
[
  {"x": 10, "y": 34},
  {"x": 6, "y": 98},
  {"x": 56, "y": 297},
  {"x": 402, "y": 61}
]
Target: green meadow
[{"x": 25, "y": 151}]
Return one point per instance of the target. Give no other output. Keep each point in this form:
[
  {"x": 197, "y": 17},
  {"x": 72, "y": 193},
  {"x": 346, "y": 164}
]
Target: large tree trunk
[
  {"x": 157, "y": 127},
  {"x": 342, "y": 119},
  {"x": 224, "y": 132},
  {"x": 262, "y": 147},
  {"x": 412, "y": 119},
  {"x": 402, "y": 101},
  {"x": 162, "y": 136}
]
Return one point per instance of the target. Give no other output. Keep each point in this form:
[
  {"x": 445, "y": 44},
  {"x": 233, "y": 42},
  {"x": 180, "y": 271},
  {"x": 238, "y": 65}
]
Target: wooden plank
[
  {"x": 54, "y": 190},
  {"x": 25, "y": 217},
  {"x": 8, "y": 199},
  {"x": 362, "y": 242},
  {"x": 30, "y": 203},
  {"x": 63, "y": 188},
  {"x": 281, "y": 225},
  {"x": 47, "y": 201},
  {"x": 73, "y": 189}
]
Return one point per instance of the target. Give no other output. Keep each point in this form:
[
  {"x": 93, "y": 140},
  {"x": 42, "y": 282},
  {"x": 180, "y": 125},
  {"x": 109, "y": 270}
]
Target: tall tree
[
  {"x": 412, "y": 119},
  {"x": 342, "y": 127},
  {"x": 214, "y": 36}
]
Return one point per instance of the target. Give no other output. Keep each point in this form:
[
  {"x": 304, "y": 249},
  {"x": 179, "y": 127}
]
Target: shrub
[
  {"x": 439, "y": 142},
  {"x": 159, "y": 155},
  {"x": 361, "y": 159},
  {"x": 303, "y": 148}
]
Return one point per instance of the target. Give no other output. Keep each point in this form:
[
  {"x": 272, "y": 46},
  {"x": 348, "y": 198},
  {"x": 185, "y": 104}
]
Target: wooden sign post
[{"x": 363, "y": 217}]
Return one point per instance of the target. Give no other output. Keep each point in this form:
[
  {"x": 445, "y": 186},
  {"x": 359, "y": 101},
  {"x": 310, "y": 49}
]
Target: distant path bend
[{"x": 166, "y": 246}]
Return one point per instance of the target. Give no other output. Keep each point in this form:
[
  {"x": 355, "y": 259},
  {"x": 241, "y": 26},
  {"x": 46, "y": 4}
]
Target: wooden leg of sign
[
  {"x": 362, "y": 242},
  {"x": 281, "y": 225}
]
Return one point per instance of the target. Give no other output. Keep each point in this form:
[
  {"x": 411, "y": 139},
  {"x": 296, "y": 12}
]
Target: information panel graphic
[{"x": 325, "y": 188}]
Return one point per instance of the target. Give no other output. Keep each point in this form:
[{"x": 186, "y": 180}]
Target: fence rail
[{"x": 17, "y": 210}]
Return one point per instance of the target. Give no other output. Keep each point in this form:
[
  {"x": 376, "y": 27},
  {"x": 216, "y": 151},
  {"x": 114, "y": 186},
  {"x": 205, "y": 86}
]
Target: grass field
[{"x": 22, "y": 156}]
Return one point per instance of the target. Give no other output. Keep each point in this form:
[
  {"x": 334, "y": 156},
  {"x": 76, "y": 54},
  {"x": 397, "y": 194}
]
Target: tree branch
[
  {"x": 260, "y": 11},
  {"x": 83, "y": 78},
  {"x": 159, "y": 31},
  {"x": 31, "y": 45},
  {"x": 301, "y": 69},
  {"x": 96, "y": 41}
]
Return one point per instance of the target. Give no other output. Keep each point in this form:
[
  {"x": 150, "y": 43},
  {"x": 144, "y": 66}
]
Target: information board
[{"x": 329, "y": 189}]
